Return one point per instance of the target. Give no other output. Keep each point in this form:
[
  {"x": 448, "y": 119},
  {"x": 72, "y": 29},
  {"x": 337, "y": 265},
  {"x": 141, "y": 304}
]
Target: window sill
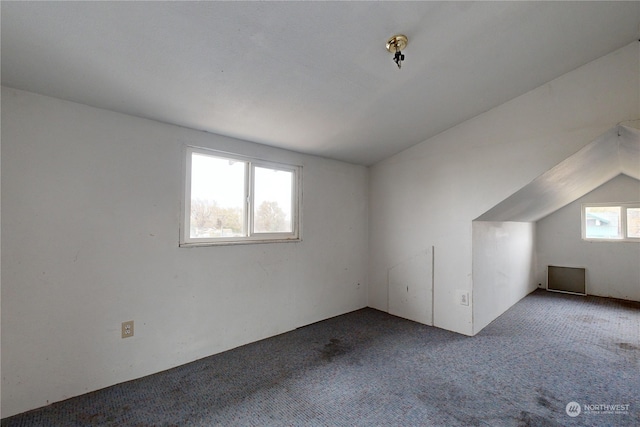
[
  {"x": 591, "y": 240},
  {"x": 237, "y": 242}
]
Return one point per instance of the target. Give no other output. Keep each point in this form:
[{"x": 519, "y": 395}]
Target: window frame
[
  {"x": 250, "y": 236},
  {"x": 623, "y": 221}
]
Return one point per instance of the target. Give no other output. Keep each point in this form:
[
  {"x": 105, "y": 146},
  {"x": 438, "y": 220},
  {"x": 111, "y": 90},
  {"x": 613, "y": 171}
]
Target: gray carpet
[{"x": 367, "y": 368}]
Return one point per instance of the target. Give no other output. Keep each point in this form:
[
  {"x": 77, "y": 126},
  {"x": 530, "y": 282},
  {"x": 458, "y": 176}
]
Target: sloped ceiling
[
  {"x": 615, "y": 152},
  {"x": 629, "y": 153},
  {"x": 314, "y": 77}
]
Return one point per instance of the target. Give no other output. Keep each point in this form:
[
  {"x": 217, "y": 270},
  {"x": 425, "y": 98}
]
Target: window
[
  {"x": 232, "y": 199},
  {"x": 611, "y": 222}
]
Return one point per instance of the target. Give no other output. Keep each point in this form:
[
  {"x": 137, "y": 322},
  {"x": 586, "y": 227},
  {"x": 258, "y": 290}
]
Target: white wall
[
  {"x": 0, "y": 268},
  {"x": 503, "y": 268},
  {"x": 429, "y": 194},
  {"x": 613, "y": 269},
  {"x": 90, "y": 214}
]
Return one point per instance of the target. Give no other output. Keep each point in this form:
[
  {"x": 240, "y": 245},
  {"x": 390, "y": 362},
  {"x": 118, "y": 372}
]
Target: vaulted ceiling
[
  {"x": 613, "y": 153},
  {"x": 314, "y": 77}
]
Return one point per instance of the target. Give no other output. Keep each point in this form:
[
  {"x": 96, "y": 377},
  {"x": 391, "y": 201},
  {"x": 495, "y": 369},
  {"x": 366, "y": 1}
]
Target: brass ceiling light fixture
[{"x": 395, "y": 45}]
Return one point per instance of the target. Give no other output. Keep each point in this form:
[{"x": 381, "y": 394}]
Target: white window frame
[
  {"x": 623, "y": 221},
  {"x": 250, "y": 237}
]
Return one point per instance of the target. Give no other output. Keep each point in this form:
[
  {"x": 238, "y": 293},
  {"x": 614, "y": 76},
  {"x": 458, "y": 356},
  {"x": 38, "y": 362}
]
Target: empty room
[{"x": 320, "y": 213}]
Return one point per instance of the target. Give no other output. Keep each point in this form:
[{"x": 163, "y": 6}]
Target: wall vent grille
[{"x": 570, "y": 280}]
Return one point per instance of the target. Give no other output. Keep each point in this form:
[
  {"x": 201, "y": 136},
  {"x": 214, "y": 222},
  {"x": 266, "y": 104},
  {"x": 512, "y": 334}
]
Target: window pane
[
  {"x": 633, "y": 222},
  {"x": 273, "y": 192},
  {"x": 603, "y": 222},
  {"x": 217, "y": 197}
]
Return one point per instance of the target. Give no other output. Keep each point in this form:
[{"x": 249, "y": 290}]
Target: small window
[
  {"x": 232, "y": 199},
  {"x": 633, "y": 223},
  {"x": 611, "y": 222}
]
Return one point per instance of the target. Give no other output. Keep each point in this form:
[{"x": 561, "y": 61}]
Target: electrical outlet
[
  {"x": 463, "y": 297},
  {"x": 127, "y": 329}
]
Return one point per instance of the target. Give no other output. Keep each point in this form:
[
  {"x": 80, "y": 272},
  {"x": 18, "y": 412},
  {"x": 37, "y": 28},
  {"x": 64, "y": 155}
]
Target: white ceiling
[{"x": 314, "y": 77}]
